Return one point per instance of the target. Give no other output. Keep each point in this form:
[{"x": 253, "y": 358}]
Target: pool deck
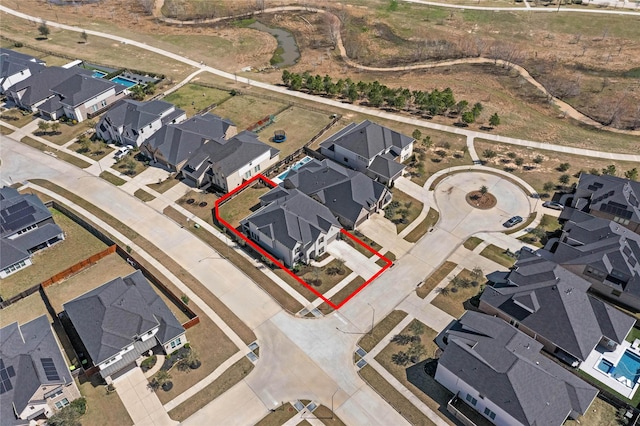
[
  {"x": 278, "y": 179},
  {"x": 590, "y": 366}
]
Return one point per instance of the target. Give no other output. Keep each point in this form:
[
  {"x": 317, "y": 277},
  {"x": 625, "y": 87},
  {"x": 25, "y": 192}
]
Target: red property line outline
[{"x": 262, "y": 251}]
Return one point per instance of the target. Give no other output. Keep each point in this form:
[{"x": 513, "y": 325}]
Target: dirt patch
[{"x": 482, "y": 201}]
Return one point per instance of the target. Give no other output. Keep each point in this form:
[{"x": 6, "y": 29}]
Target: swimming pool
[
  {"x": 98, "y": 74},
  {"x": 605, "y": 366},
  {"x": 125, "y": 82},
  {"x": 628, "y": 366},
  {"x": 282, "y": 176}
]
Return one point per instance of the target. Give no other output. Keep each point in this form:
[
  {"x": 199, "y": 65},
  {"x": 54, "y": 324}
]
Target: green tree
[
  {"x": 564, "y": 179},
  {"x": 286, "y": 77},
  {"x": 484, "y": 189},
  {"x": 519, "y": 161},
  {"x": 609, "y": 170},
  {"x": 489, "y": 153},
  {"x": 352, "y": 93},
  {"x": 43, "y": 126},
  {"x": 417, "y": 134},
  {"x": 494, "y": 120},
  {"x": 549, "y": 186},
  {"x": 43, "y": 29},
  {"x": 563, "y": 167},
  {"x": 468, "y": 117},
  {"x": 538, "y": 159},
  {"x": 631, "y": 174}
]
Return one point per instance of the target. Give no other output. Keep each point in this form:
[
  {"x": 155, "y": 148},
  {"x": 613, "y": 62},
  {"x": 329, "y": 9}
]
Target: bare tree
[{"x": 147, "y": 5}]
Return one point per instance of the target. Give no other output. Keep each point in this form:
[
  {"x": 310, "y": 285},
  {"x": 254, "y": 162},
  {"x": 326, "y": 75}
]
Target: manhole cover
[{"x": 191, "y": 201}]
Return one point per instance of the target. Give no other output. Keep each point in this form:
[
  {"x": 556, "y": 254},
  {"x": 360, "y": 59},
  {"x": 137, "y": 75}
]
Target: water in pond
[{"x": 285, "y": 40}]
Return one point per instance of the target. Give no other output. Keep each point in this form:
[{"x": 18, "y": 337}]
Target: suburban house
[
  {"x": 293, "y": 228},
  {"x": 35, "y": 381},
  {"x": 31, "y": 93},
  {"x": 226, "y": 163},
  {"x": 26, "y": 226},
  {"x": 350, "y": 195},
  {"x": 604, "y": 252},
  {"x": 174, "y": 144},
  {"x": 609, "y": 197},
  {"x": 120, "y": 321},
  {"x": 15, "y": 67},
  {"x": 81, "y": 97},
  {"x": 131, "y": 122},
  {"x": 499, "y": 372},
  {"x": 551, "y": 304},
  {"x": 370, "y": 148}
]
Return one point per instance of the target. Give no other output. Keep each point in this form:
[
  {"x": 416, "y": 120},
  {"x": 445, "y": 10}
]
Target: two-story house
[
  {"x": 35, "y": 381},
  {"x": 121, "y": 320},
  {"x": 609, "y": 197},
  {"x": 26, "y": 226},
  {"x": 370, "y": 148},
  {"x": 15, "y": 67},
  {"x": 551, "y": 304},
  {"x": 81, "y": 97},
  {"x": 351, "y": 196},
  {"x": 174, "y": 144},
  {"x": 131, "y": 122},
  {"x": 294, "y": 228},
  {"x": 499, "y": 372},
  {"x": 32, "y": 92},
  {"x": 226, "y": 163}
]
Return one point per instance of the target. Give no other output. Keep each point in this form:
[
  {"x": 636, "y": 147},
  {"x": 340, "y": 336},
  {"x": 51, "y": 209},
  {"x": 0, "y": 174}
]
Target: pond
[{"x": 287, "y": 48}]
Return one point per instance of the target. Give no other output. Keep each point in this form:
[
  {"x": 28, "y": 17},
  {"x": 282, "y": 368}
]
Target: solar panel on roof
[
  {"x": 621, "y": 206},
  {"x": 11, "y": 371},
  {"x": 49, "y": 369},
  {"x": 2, "y": 389},
  {"x": 7, "y": 385}
]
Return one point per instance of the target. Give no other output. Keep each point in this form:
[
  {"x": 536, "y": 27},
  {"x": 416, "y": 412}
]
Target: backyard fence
[{"x": 78, "y": 267}]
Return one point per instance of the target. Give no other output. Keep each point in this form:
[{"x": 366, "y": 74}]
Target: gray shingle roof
[
  {"x": 293, "y": 219},
  {"x": 368, "y": 139},
  {"x": 22, "y": 347},
  {"x": 10, "y": 254},
  {"x": 228, "y": 155},
  {"x": 610, "y": 194},
  {"x": 19, "y": 212},
  {"x": 15, "y": 55},
  {"x": 386, "y": 166},
  {"x": 12, "y": 63},
  {"x": 79, "y": 88},
  {"x": 38, "y": 86},
  {"x": 554, "y": 304},
  {"x": 110, "y": 317},
  {"x": 179, "y": 142},
  {"x": 347, "y": 193},
  {"x": 603, "y": 245},
  {"x": 506, "y": 367},
  {"x": 133, "y": 115}
]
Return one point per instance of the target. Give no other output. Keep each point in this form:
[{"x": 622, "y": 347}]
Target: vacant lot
[
  {"x": 246, "y": 110},
  {"x": 78, "y": 245},
  {"x": 243, "y": 204},
  {"x": 540, "y": 166},
  {"x": 194, "y": 97},
  {"x": 300, "y": 125}
]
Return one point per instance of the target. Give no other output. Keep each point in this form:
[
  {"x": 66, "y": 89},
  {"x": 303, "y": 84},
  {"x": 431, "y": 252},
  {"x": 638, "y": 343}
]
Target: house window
[
  {"x": 176, "y": 342},
  {"x": 94, "y": 108},
  {"x": 247, "y": 175},
  {"x": 346, "y": 160},
  {"x": 256, "y": 168},
  {"x": 298, "y": 249},
  {"x": 62, "y": 403},
  {"x": 27, "y": 229},
  {"x": 489, "y": 414},
  {"x": 103, "y": 103},
  {"x": 471, "y": 400},
  {"x": 15, "y": 267},
  {"x": 321, "y": 250},
  {"x": 58, "y": 393},
  {"x": 616, "y": 293},
  {"x": 321, "y": 240}
]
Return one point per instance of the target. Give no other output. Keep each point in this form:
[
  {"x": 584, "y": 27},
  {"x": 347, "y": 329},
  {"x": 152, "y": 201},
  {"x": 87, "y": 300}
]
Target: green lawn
[
  {"x": 193, "y": 97},
  {"x": 498, "y": 255},
  {"x": 243, "y": 204},
  {"x": 547, "y": 227},
  {"x": 452, "y": 298},
  {"x": 429, "y": 222},
  {"x": 103, "y": 409},
  {"x": 472, "y": 243},
  {"x": 403, "y": 210},
  {"x": 78, "y": 162},
  {"x": 110, "y": 177}
]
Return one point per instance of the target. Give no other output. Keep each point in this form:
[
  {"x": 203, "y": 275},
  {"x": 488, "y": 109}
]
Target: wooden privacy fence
[{"x": 78, "y": 266}]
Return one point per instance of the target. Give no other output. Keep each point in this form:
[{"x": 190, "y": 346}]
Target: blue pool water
[
  {"x": 604, "y": 366},
  {"x": 123, "y": 81},
  {"x": 98, "y": 74},
  {"x": 628, "y": 366},
  {"x": 282, "y": 176}
]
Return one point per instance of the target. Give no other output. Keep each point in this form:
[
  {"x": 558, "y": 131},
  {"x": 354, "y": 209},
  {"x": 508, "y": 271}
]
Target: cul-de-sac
[{"x": 319, "y": 212}]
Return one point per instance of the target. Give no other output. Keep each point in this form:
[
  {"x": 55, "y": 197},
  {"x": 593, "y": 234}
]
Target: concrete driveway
[
  {"x": 141, "y": 402},
  {"x": 353, "y": 259},
  {"x": 461, "y": 219}
]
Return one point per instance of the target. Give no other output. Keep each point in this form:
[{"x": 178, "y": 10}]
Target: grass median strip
[
  {"x": 278, "y": 416},
  {"x": 418, "y": 232},
  {"x": 381, "y": 329},
  {"x": 239, "y": 327},
  {"x": 390, "y": 394},
  {"x": 472, "y": 243},
  {"x": 71, "y": 159},
  {"x": 226, "y": 381},
  {"x": 342, "y": 294},
  {"x": 144, "y": 195},
  {"x": 281, "y": 296},
  {"x": 113, "y": 179},
  {"x": 389, "y": 255},
  {"x": 434, "y": 279}
]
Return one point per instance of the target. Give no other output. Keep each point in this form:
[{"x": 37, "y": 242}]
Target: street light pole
[{"x": 373, "y": 317}]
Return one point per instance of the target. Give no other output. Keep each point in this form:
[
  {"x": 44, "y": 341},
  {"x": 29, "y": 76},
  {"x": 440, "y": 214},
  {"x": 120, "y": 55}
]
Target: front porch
[{"x": 601, "y": 357}]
